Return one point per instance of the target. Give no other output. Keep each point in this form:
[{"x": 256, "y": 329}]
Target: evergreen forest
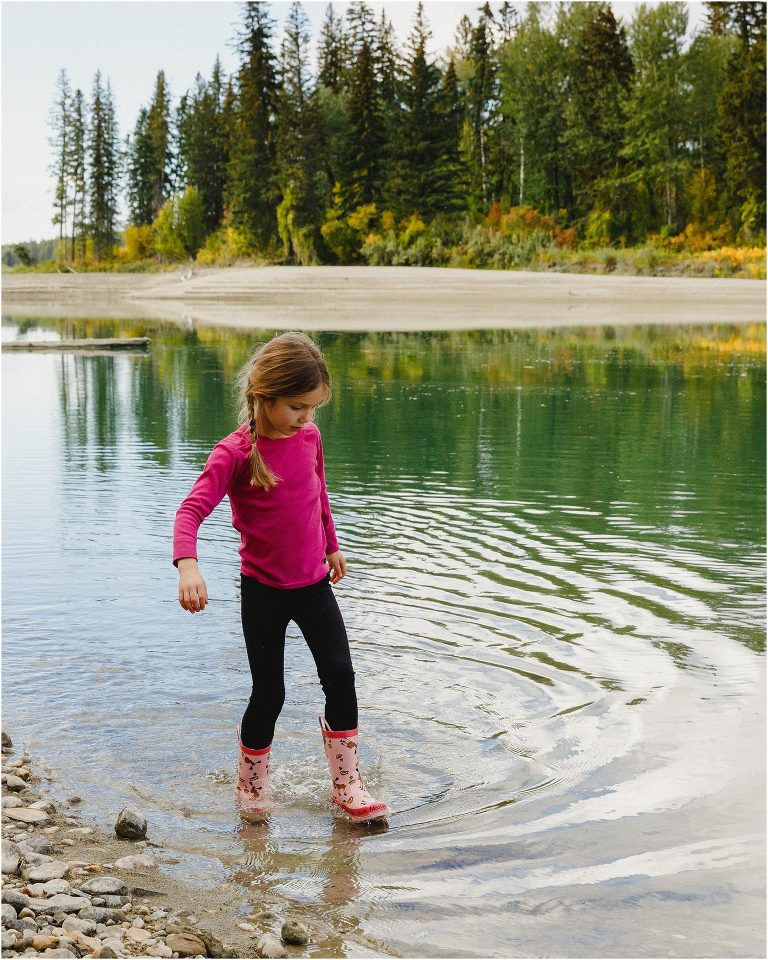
[{"x": 545, "y": 133}]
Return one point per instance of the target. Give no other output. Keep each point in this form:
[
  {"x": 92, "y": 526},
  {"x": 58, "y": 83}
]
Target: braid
[{"x": 261, "y": 475}]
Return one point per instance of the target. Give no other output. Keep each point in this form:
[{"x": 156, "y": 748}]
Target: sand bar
[{"x": 385, "y": 298}]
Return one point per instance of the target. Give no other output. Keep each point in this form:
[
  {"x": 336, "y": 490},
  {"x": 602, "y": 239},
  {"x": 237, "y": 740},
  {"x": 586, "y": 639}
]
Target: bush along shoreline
[{"x": 72, "y": 890}]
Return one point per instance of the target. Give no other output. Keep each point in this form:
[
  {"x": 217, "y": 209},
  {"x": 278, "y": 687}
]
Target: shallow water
[{"x": 555, "y": 603}]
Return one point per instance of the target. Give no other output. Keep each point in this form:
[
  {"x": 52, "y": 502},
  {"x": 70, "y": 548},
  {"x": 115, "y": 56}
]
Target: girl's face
[{"x": 287, "y": 415}]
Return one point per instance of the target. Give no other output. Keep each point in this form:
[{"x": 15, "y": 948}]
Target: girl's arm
[
  {"x": 333, "y": 555},
  {"x": 207, "y": 492}
]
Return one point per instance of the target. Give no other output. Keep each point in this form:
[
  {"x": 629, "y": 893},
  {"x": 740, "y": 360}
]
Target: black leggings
[{"x": 266, "y": 612}]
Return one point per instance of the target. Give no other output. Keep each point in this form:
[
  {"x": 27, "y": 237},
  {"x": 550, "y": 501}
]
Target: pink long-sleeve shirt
[{"x": 285, "y": 532}]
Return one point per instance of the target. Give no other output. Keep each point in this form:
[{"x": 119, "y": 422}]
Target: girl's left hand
[{"x": 338, "y": 565}]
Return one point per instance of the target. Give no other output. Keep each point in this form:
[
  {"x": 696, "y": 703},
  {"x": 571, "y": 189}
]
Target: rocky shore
[{"x": 71, "y": 890}]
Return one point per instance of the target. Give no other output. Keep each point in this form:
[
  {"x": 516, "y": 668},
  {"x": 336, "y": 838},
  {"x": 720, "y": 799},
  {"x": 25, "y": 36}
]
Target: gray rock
[
  {"x": 37, "y": 844},
  {"x": 13, "y": 782},
  {"x": 5, "y": 740},
  {"x": 135, "y": 861},
  {"x": 102, "y": 885},
  {"x": 269, "y": 946},
  {"x": 56, "y": 886},
  {"x": 32, "y": 858},
  {"x": 48, "y": 805},
  {"x": 9, "y": 940},
  {"x": 131, "y": 823},
  {"x": 10, "y": 802},
  {"x": 10, "y": 857},
  {"x": 75, "y": 924},
  {"x": 110, "y": 900},
  {"x": 16, "y": 898},
  {"x": 9, "y": 914},
  {"x": 59, "y": 952},
  {"x": 59, "y": 902},
  {"x": 50, "y": 870},
  {"x": 112, "y": 948},
  {"x": 294, "y": 932},
  {"x": 102, "y": 914}
]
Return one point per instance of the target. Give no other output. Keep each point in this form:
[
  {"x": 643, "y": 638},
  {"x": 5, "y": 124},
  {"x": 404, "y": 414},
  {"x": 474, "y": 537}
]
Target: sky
[{"x": 130, "y": 41}]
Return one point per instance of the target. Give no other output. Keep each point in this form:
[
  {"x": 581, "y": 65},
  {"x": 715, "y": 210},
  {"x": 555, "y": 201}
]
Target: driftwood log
[{"x": 116, "y": 343}]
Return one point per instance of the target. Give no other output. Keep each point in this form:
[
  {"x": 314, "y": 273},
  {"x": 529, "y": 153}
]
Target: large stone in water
[
  {"x": 13, "y": 782},
  {"x": 131, "y": 823},
  {"x": 103, "y": 885},
  {"x": 135, "y": 861},
  {"x": 294, "y": 932},
  {"x": 270, "y": 946}
]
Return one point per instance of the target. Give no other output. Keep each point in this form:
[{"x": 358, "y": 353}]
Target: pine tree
[
  {"x": 532, "y": 77},
  {"x": 741, "y": 128},
  {"x": 482, "y": 106},
  {"x": 159, "y": 144},
  {"x": 363, "y": 154},
  {"x": 417, "y": 134},
  {"x": 449, "y": 174},
  {"x": 332, "y": 52},
  {"x": 78, "y": 177},
  {"x": 141, "y": 208},
  {"x": 202, "y": 145},
  {"x": 251, "y": 192},
  {"x": 599, "y": 71},
  {"x": 300, "y": 146},
  {"x": 60, "y": 121},
  {"x": 103, "y": 170},
  {"x": 655, "y": 144}
]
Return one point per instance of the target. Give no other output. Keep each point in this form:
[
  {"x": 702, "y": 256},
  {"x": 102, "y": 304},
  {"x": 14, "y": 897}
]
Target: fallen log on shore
[{"x": 115, "y": 343}]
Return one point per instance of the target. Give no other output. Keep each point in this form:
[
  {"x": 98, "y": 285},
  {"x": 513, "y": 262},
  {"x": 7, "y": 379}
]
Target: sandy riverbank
[{"x": 385, "y": 298}]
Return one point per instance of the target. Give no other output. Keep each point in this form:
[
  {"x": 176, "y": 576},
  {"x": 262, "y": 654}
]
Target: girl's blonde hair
[{"x": 289, "y": 365}]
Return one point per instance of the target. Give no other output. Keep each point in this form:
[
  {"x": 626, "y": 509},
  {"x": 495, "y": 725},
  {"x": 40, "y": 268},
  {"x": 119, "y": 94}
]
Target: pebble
[
  {"x": 295, "y": 932},
  {"x": 269, "y": 946},
  {"x": 137, "y": 934},
  {"x": 9, "y": 802},
  {"x": 131, "y": 823}
]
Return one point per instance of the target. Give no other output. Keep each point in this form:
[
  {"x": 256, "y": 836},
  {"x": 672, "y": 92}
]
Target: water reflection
[{"x": 555, "y": 605}]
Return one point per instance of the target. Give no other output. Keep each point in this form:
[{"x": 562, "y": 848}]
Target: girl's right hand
[{"x": 193, "y": 593}]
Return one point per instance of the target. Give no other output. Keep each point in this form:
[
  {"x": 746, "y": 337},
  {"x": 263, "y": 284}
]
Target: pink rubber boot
[
  {"x": 253, "y": 794},
  {"x": 348, "y": 788}
]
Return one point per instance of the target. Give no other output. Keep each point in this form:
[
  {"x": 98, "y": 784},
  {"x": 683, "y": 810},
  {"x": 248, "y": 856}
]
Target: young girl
[{"x": 272, "y": 470}]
